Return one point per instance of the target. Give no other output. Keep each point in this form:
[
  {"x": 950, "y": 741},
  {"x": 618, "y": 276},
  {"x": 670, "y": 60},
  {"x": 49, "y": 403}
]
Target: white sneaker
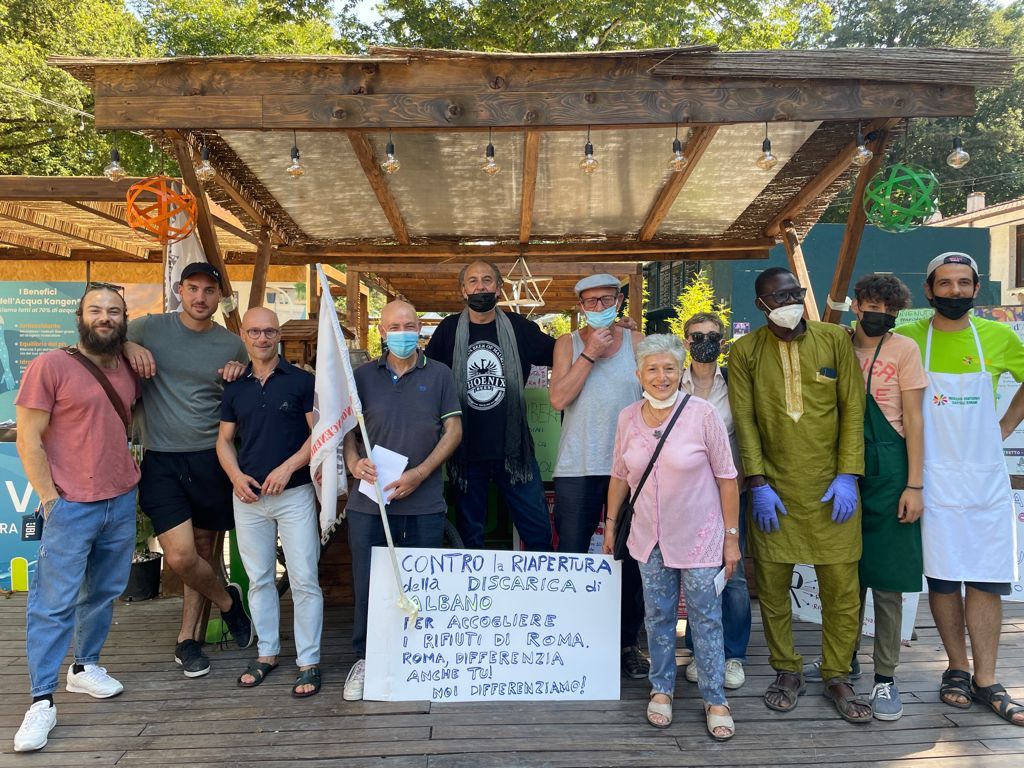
[
  {"x": 93, "y": 680},
  {"x": 691, "y": 671},
  {"x": 354, "y": 682},
  {"x": 735, "y": 677},
  {"x": 35, "y": 728}
]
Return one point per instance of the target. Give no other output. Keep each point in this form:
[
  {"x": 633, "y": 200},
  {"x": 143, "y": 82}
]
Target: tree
[{"x": 698, "y": 296}]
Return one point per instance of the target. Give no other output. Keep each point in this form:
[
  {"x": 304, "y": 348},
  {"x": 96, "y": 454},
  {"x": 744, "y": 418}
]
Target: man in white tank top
[{"x": 592, "y": 379}]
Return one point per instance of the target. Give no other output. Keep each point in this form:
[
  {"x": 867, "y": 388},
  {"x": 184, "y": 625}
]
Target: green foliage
[
  {"x": 143, "y": 533},
  {"x": 373, "y": 345},
  {"x": 698, "y": 296},
  {"x": 559, "y": 325}
]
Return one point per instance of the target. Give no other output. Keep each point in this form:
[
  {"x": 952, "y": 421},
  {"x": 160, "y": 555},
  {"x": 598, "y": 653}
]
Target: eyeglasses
[
  {"x": 699, "y": 338},
  {"x": 93, "y": 285},
  {"x": 781, "y": 297},
  {"x": 598, "y": 301},
  {"x": 270, "y": 333}
]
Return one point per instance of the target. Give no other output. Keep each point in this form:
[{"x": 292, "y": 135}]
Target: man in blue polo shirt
[
  {"x": 271, "y": 408},
  {"x": 410, "y": 407}
]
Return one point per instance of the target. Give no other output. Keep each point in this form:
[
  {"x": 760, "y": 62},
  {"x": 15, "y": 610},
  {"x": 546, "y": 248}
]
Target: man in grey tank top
[{"x": 593, "y": 378}]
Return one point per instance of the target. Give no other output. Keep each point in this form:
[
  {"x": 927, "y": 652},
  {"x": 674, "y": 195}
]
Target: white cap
[
  {"x": 951, "y": 257},
  {"x": 603, "y": 280}
]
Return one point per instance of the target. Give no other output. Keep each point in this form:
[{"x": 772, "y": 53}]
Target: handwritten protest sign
[
  {"x": 803, "y": 594},
  {"x": 494, "y": 626}
]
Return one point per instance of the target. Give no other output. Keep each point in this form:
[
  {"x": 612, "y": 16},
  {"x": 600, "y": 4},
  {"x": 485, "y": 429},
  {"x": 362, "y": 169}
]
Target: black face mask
[
  {"x": 705, "y": 351},
  {"x": 482, "y": 302},
  {"x": 952, "y": 309},
  {"x": 877, "y": 323}
]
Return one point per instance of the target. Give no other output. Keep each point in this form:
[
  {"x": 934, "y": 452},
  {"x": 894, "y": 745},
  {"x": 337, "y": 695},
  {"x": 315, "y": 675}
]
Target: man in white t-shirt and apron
[{"x": 968, "y": 528}]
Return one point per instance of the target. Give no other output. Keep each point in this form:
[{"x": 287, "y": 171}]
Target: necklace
[{"x": 649, "y": 415}]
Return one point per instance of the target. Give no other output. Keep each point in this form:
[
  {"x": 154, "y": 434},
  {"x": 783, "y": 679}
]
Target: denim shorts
[{"x": 943, "y": 587}]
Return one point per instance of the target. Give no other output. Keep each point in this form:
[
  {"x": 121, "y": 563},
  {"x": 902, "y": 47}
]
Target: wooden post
[
  {"x": 798, "y": 267},
  {"x": 352, "y": 301},
  {"x": 364, "y": 321},
  {"x": 574, "y": 321},
  {"x": 636, "y": 297},
  {"x": 854, "y": 231},
  {"x": 258, "y": 290},
  {"x": 312, "y": 293}
]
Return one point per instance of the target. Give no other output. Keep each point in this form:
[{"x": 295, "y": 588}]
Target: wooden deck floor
[{"x": 163, "y": 719}]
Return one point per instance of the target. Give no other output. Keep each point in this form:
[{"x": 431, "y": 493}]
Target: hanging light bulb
[
  {"x": 295, "y": 167},
  {"x": 588, "y": 164},
  {"x": 113, "y": 170},
  {"x": 205, "y": 170},
  {"x": 390, "y": 164},
  {"x": 490, "y": 167},
  {"x": 678, "y": 161},
  {"x": 766, "y": 160},
  {"x": 959, "y": 157},
  {"x": 863, "y": 155}
]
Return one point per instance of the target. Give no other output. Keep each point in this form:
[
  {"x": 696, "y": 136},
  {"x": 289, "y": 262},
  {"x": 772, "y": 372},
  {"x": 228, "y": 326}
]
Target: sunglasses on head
[
  {"x": 699, "y": 338},
  {"x": 93, "y": 285},
  {"x": 781, "y": 297}
]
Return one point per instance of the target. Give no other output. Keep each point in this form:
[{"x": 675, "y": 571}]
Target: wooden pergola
[{"x": 412, "y": 230}]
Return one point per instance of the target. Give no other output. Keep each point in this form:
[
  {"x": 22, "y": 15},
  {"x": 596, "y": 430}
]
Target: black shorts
[
  {"x": 943, "y": 587},
  {"x": 176, "y": 487}
]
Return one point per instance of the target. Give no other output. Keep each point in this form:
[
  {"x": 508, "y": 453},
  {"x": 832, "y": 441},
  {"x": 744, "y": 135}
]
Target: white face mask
[
  {"x": 657, "y": 404},
  {"x": 788, "y": 316}
]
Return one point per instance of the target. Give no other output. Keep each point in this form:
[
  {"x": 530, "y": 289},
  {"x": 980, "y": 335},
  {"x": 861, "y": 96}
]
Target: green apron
[{"x": 892, "y": 559}]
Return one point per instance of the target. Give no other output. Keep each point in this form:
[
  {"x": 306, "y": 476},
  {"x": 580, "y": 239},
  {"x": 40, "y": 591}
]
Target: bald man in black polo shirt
[{"x": 411, "y": 407}]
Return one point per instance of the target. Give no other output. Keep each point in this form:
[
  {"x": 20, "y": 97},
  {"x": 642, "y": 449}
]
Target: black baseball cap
[{"x": 201, "y": 268}]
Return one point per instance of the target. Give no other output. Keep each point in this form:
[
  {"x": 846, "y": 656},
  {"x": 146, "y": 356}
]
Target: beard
[{"x": 96, "y": 344}]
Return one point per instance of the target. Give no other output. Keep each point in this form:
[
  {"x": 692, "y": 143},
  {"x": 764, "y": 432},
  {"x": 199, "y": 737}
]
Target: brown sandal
[
  {"x": 841, "y": 693},
  {"x": 790, "y": 685}
]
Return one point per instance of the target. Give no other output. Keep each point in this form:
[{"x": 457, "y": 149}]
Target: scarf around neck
[{"x": 518, "y": 441}]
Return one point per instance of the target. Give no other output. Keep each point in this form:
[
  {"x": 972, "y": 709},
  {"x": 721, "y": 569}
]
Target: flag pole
[{"x": 404, "y": 602}]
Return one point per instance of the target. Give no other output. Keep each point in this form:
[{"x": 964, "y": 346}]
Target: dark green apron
[{"x": 892, "y": 559}]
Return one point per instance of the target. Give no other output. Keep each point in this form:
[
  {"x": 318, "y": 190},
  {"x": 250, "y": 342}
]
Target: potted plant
[{"x": 144, "y": 579}]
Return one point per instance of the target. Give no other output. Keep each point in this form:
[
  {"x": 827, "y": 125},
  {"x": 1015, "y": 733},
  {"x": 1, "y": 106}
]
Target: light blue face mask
[
  {"x": 402, "y": 343},
  {"x": 602, "y": 319}
]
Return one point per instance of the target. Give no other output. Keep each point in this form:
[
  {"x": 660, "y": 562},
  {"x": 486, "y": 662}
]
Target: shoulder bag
[{"x": 115, "y": 400}]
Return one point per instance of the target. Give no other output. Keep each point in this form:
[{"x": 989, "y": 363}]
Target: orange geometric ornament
[{"x": 155, "y": 220}]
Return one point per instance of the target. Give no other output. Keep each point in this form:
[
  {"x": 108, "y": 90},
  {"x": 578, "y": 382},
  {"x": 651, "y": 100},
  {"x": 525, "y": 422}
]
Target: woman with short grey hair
[{"x": 678, "y": 534}]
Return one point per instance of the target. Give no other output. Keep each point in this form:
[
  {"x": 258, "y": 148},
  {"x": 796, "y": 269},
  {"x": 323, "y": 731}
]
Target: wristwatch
[{"x": 732, "y": 531}]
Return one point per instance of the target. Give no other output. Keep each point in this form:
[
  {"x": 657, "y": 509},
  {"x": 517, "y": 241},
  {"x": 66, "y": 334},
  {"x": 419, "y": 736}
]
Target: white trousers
[{"x": 292, "y": 516}]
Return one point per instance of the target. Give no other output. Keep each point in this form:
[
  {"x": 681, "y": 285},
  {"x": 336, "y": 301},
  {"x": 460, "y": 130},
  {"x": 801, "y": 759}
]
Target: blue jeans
[
  {"x": 85, "y": 557},
  {"x": 525, "y": 501},
  {"x": 735, "y": 605},
  {"x": 292, "y": 515},
  {"x": 366, "y": 531},
  {"x": 661, "y": 598},
  {"x": 578, "y": 505}
]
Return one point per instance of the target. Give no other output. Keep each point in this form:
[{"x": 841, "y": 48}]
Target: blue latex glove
[
  {"x": 843, "y": 495},
  {"x": 766, "y": 502}
]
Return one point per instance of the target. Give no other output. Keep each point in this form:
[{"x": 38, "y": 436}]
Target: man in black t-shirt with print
[{"x": 490, "y": 353}]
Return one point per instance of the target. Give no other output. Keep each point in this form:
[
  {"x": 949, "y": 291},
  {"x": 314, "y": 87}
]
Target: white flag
[
  {"x": 179, "y": 255},
  {"x": 335, "y": 403}
]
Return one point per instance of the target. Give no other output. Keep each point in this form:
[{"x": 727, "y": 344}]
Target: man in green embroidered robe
[{"x": 797, "y": 397}]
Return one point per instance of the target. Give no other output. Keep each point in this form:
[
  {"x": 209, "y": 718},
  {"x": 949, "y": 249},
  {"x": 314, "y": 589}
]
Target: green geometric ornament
[{"x": 900, "y": 197}]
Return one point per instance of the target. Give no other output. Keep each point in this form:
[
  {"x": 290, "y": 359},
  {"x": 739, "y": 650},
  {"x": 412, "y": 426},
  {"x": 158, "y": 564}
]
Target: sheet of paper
[
  {"x": 390, "y": 466},
  {"x": 720, "y": 582}
]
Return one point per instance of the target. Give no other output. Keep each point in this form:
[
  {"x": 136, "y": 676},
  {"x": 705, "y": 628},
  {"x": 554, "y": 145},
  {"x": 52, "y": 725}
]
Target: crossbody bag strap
[
  {"x": 657, "y": 450},
  {"x": 115, "y": 399}
]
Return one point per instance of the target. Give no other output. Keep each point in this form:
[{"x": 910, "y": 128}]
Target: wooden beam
[
  {"x": 363, "y": 337},
  {"x": 531, "y": 155},
  {"x": 798, "y": 267},
  {"x": 258, "y": 288},
  {"x": 62, "y": 188},
  {"x": 60, "y": 226},
  {"x": 337, "y": 277},
  {"x": 855, "y": 222},
  {"x": 204, "y": 227},
  {"x": 636, "y": 297},
  {"x": 105, "y": 215},
  {"x": 546, "y": 269},
  {"x": 836, "y": 167},
  {"x": 371, "y": 168},
  {"x": 571, "y": 106},
  {"x": 696, "y": 145},
  {"x": 47, "y": 247},
  {"x": 352, "y": 302}
]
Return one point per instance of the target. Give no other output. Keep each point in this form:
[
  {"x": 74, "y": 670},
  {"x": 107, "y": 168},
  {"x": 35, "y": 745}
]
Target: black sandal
[
  {"x": 309, "y": 676},
  {"x": 998, "y": 700},
  {"x": 258, "y": 670},
  {"x": 956, "y": 682}
]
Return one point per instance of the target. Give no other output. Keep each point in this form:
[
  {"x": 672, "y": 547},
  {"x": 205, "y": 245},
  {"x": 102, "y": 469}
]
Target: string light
[
  {"x": 588, "y": 164},
  {"x": 295, "y": 168},
  {"x": 678, "y": 161},
  {"x": 766, "y": 160},
  {"x": 959, "y": 157},
  {"x": 114, "y": 170},
  {"x": 390, "y": 164},
  {"x": 490, "y": 167},
  {"x": 205, "y": 170},
  {"x": 863, "y": 155}
]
